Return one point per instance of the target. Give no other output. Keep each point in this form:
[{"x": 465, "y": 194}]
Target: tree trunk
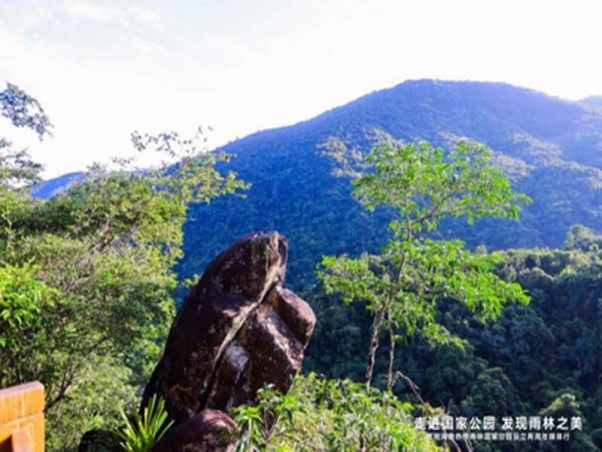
[
  {"x": 376, "y": 327},
  {"x": 390, "y": 371}
]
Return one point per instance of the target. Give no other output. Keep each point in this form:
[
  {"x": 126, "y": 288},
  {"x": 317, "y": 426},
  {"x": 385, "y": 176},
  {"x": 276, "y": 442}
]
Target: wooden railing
[{"x": 22, "y": 418}]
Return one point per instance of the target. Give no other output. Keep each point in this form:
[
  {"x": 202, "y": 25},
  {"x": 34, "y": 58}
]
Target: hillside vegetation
[
  {"x": 550, "y": 148},
  {"x": 500, "y": 318}
]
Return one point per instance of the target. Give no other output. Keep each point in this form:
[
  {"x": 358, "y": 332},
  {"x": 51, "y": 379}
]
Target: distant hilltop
[{"x": 53, "y": 187}]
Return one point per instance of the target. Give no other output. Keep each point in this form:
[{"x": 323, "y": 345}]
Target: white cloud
[
  {"x": 84, "y": 9},
  {"x": 106, "y": 12},
  {"x": 145, "y": 15}
]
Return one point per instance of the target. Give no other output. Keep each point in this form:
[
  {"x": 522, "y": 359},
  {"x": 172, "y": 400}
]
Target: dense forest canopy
[
  {"x": 542, "y": 358},
  {"x": 549, "y": 148}
]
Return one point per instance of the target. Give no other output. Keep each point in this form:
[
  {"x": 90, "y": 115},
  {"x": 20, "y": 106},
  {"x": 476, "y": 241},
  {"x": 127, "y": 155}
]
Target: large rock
[
  {"x": 238, "y": 330},
  {"x": 209, "y": 430}
]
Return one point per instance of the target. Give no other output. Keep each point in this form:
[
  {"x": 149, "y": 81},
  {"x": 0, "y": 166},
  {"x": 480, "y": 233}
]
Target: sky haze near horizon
[{"x": 103, "y": 69}]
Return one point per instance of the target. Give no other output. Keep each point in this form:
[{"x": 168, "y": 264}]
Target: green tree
[
  {"x": 86, "y": 277},
  {"x": 403, "y": 283}
]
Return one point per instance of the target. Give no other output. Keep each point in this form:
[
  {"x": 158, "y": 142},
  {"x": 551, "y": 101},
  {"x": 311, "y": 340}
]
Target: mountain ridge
[{"x": 551, "y": 145}]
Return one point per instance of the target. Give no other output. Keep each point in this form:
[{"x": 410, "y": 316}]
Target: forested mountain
[
  {"x": 57, "y": 185},
  {"x": 551, "y": 148}
]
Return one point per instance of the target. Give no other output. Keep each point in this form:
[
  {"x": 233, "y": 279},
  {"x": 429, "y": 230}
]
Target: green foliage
[
  {"x": 23, "y": 110},
  {"x": 583, "y": 238},
  {"x": 87, "y": 278},
  {"x": 333, "y": 415},
  {"x": 340, "y": 339},
  {"x": 539, "y": 358},
  {"x": 142, "y": 432},
  {"x": 401, "y": 285},
  {"x": 17, "y": 170},
  {"x": 548, "y": 148},
  {"x": 22, "y": 298},
  {"x": 424, "y": 185},
  {"x": 16, "y": 167}
]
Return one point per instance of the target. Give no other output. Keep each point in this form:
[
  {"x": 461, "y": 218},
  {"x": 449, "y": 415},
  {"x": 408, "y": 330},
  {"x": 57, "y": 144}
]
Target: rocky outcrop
[
  {"x": 209, "y": 430},
  {"x": 238, "y": 330}
]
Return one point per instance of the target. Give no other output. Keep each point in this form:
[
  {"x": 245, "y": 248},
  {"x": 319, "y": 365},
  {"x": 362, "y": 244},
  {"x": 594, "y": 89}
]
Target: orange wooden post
[{"x": 22, "y": 418}]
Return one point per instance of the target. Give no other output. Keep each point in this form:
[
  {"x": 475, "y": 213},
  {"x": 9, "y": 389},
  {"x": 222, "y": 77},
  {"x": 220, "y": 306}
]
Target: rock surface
[
  {"x": 99, "y": 441},
  {"x": 238, "y": 330},
  {"x": 209, "y": 430}
]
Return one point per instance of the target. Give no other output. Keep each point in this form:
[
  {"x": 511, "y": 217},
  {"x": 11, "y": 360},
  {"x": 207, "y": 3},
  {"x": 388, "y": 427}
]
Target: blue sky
[{"x": 102, "y": 69}]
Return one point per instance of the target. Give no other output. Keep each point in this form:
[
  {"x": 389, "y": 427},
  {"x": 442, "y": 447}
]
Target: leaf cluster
[
  {"x": 424, "y": 185},
  {"x": 141, "y": 432}
]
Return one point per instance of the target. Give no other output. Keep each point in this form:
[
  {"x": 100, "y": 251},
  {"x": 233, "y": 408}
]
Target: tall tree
[{"x": 403, "y": 283}]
